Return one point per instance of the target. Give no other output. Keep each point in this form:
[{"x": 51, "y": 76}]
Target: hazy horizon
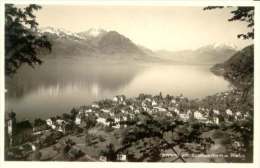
[{"x": 155, "y": 27}]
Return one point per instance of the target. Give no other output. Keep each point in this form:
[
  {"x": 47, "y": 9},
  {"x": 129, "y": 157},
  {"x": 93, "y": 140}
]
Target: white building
[
  {"x": 177, "y": 111},
  {"x": 160, "y": 109},
  {"x": 102, "y": 121},
  {"x": 216, "y": 120},
  {"x": 88, "y": 111},
  {"x": 173, "y": 101},
  {"x": 229, "y": 112},
  {"x": 95, "y": 106},
  {"x": 105, "y": 110},
  {"x": 199, "y": 116},
  {"x": 121, "y": 157},
  {"x": 216, "y": 112},
  {"x": 49, "y": 122},
  {"x": 238, "y": 115},
  {"x": 118, "y": 99},
  {"x": 154, "y": 103},
  {"x": 78, "y": 120}
]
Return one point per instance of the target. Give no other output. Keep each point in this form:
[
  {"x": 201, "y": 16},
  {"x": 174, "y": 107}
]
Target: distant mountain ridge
[
  {"x": 239, "y": 68},
  {"x": 100, "y": 43},
  {"x": 91, "y": 43},
  {"x": 209, "y": 54}
]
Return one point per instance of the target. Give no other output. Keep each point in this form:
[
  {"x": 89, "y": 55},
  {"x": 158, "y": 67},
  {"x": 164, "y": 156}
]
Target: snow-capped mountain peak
[
  {"x": 225, "y": 45},
  {"x": 92, "y": 33},
  {"x": 60, "y": 32},
  {"x": 63, "y": 33},
  {"x": 95, "y": 31}
]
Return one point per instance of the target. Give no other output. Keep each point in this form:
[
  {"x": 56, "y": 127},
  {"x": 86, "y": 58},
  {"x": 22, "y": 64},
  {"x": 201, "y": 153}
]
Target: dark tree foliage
[
  {"x": 73, "y": 113},
  {"x": 39, "y": 122},
  {"x": 150, "y": 136},
  {"x": 243, "y": 135},
  {"x": 22, "y": 42},
  {"x": 91, "y": 121},
  {"x": 241, "y": 13},
  {"x": 110, "y": 152},
  {"x": 240, "y": 71}
]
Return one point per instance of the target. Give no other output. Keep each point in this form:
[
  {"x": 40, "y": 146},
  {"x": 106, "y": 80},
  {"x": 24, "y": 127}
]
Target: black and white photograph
[{"x": 128, "y": 83}]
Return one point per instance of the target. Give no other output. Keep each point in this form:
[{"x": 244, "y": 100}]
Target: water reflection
[{"x": 55, "y": 90}]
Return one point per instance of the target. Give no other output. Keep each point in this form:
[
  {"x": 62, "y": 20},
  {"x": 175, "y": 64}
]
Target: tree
[
  {"x": 73, "y": 113},
  {"x": 241, "y": 13},
  {"x": 66, "y": 116},
  {"x": 39, "y": 122},
  {"x": 151, "y": 135},
  {"x": 110, "y": 152},
  {"x": 22, "y": 40},
  {"x": 91, "y": 121}
]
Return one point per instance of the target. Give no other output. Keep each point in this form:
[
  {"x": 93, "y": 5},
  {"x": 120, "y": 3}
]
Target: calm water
[{"x": 55, "y": 88}]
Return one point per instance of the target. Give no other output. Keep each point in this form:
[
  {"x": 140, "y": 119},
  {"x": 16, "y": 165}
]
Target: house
[
  {"x": 103, "y": 158},
  {"x": 11, "y": 122},
  {"x": 115, "y": 99},
  {"x": 119, "y": 99},
  {"x": 137, "y": 111},
  {"x": 131, "y": 107},
  {"x": 189, "y": 112},
  {"x": 229, "y": 112},
  {"x": 216, "y": 112},
  {"x": 123, "y": 111},
  {"x": 131, "y": 116},
  {"x": 88, "y": 111},
  {"x": 58, "y": 125},
  {"x": 171, "y": 108},
  {"x": 117, "y": 120},
  {"x": 215, "y": 120},
  {"x": 184, "y": 116},
  {"x": 237, "y": 144},
  {"x": 199, "y": 116},
  {"x": 121, "y": 157},
  {"x": 238, "y": 115},
  {"x": 177, "y": 111},
  {"x": 168, "y": 155},
  {"x": 169, "y": 114},
  {"x": 95, "y": 106},
  {"x": 103, "y": 121},
  {"x": 148, "y": 99},
  {"x": 105, "y": 110},
  {"x": 154, "y": 103},
  {"x": 173, "y": 101},
  {"x": 160, "y": 109},
  {"x": 39, "y": 130},
  {"x": 117, "y": 126},
  {"x": 61, "y": 126},
  {"x": 50, "y": 122},
  {"x": 78, "y": 120}
]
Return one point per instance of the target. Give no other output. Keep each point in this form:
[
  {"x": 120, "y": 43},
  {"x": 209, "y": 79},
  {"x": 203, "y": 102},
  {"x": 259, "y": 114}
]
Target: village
[{"x": 25, "y": 140}]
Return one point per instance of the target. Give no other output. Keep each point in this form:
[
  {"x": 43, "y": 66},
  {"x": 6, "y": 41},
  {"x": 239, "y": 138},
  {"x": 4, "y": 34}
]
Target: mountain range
[
  {"x": 92, "y": 43},
  {"x": 99, "y": 43},
  {"x": 209, "y": 54}
]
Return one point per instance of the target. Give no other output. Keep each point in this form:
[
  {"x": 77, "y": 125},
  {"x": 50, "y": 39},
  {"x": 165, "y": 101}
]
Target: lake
[{"x": 56, "y": 87}]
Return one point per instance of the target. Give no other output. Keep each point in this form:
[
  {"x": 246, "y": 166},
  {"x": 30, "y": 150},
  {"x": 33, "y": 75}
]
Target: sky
[{"x": 155, "y": 27}]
